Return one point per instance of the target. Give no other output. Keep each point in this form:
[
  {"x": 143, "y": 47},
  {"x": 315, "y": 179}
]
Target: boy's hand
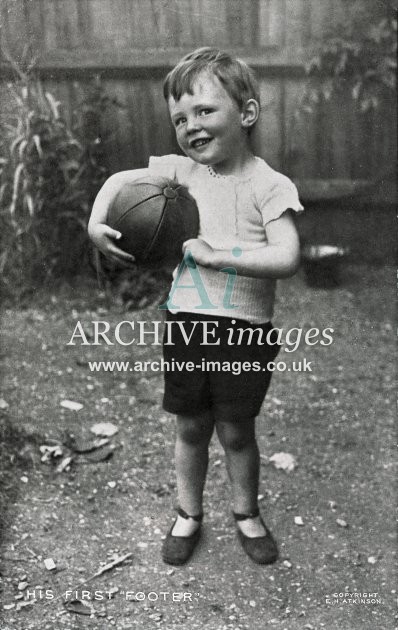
[
  {"x": 201, "y": 251},
  {"x": 103, "y": 237}
]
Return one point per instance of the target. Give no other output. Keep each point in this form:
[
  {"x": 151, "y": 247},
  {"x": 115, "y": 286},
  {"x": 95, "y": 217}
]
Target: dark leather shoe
[
  {"x": 261, "y": 549},
  {"x": 177, "y": 550}
]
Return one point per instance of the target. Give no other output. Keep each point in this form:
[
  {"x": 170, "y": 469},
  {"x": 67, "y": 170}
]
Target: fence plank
[
  {"x": 294, "y": 22},
  {"x": 213, "y": 20},
  {"x": 301, "y": 151},
  {"x": 317, "y": 19},
  {"x": 267, "y": 138},
  {"x": 234, "y": 22},
  {"x": 49, "y": 25},
  {"x": 13, "y": 19},
  {"x": 272, "y": 22},
  {"x": 67, "y": 23},
  {"x": 84, "y": 23},
  {"x": 338, "y": 121},
  {"x": 34, "y": 25}
]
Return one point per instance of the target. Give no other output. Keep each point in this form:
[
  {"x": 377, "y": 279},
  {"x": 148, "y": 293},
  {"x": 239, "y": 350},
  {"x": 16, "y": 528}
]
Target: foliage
[
  {"x": 50, "y": 171},
  {"x": 360, "y": 59}
]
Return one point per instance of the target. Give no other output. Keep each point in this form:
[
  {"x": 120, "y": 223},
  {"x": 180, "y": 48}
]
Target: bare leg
[
  {"x": 191, "y": 460},
  {"x": 243, "y": 465}
]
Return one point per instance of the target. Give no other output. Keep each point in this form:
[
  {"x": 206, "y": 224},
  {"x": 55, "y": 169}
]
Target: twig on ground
[{"x": 104, "y": 569}]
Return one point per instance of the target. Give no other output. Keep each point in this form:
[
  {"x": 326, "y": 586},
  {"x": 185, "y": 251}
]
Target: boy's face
[{"x": 208, "y": 124}]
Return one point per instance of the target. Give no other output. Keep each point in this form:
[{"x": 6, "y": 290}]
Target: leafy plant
[
  {"x": 360, "y": 59},
  {"x": 50, "y": 171}
]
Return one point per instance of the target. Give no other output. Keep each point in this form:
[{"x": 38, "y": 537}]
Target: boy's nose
[{"x": 193, "y": 124}]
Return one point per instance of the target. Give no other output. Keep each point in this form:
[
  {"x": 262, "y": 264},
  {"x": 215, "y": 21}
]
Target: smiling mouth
[{"x": 200, "y": 142}]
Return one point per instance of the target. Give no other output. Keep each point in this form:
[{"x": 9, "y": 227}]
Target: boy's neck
[{"x": 240, "y": 167}]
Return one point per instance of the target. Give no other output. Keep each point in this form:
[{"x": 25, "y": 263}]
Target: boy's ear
[{"x": 250, "y": 113}]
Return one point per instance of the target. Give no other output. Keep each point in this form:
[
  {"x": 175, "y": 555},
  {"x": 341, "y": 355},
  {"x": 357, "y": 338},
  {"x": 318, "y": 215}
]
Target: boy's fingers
[
  {"x": 126, "y": 264},
  {"x": 120, "y": 254},
  {"x": 112, "y": 233}
]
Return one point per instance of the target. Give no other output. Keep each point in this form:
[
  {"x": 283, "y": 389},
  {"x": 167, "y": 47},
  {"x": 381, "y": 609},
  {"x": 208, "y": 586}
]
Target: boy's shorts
[{"x": 231, "y": 380}]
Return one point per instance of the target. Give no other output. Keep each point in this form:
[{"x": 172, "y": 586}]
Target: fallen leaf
[
  {"x": 372, "y": 560},
  {"x": 3, "y": 404},
  {"x": 25, "y": 603},
  {"x": 82, "y": 445},
  {"x": 79, "y": 607},
  {"x": 71, "y": 405},
  {"x": 101, "y": 454},
  {"x": 284, "y": 461},
  {"x": 105, "y": 429},
  {"x": 341, "y": 522}
]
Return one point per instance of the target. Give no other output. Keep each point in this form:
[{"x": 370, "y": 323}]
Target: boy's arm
[
  {"x": 280, "y": 258},
  {"x": 100, "y": 233}
]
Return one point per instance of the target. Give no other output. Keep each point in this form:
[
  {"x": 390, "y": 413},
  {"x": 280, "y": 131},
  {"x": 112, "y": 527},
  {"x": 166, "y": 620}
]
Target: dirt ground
[{"x": 337, "y": 422}]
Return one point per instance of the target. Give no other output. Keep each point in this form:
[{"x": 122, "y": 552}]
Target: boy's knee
[
  {"x": 194, "y": 430},
  {"x": 237, "y": 442},
  {"x": 190, "y": 435},
  {"x": 235, "y": 437}
]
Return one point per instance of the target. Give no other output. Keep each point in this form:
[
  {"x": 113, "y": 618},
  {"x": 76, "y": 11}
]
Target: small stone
[
  {"x": 104, "y": 429},
  {"x": 49, "y": 564},
  {"x": 298, "y": 520},
  {"x": 341, "y": 522},
  {"x": 71, "y": 405},
  {"x": 372, "y": 560},
  {"x": 22, "y": 586}
]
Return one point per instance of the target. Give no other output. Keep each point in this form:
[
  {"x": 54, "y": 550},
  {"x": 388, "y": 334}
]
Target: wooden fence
[{"x": 132, "y": 44}]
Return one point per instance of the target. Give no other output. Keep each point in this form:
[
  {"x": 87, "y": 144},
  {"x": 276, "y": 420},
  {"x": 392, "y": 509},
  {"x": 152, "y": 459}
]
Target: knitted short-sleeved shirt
[{"x": 233, "y": 213}]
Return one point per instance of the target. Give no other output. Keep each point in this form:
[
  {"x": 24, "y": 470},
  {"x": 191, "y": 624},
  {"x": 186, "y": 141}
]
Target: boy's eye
[
  {"x": 179, "y": 121},
  {"x": 205, "y": 111}
]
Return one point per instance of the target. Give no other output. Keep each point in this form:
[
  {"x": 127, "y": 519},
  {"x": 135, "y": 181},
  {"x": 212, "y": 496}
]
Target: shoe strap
[
  {"x": 243, "y": 517},
  {"x": 196, "y": 517}
]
